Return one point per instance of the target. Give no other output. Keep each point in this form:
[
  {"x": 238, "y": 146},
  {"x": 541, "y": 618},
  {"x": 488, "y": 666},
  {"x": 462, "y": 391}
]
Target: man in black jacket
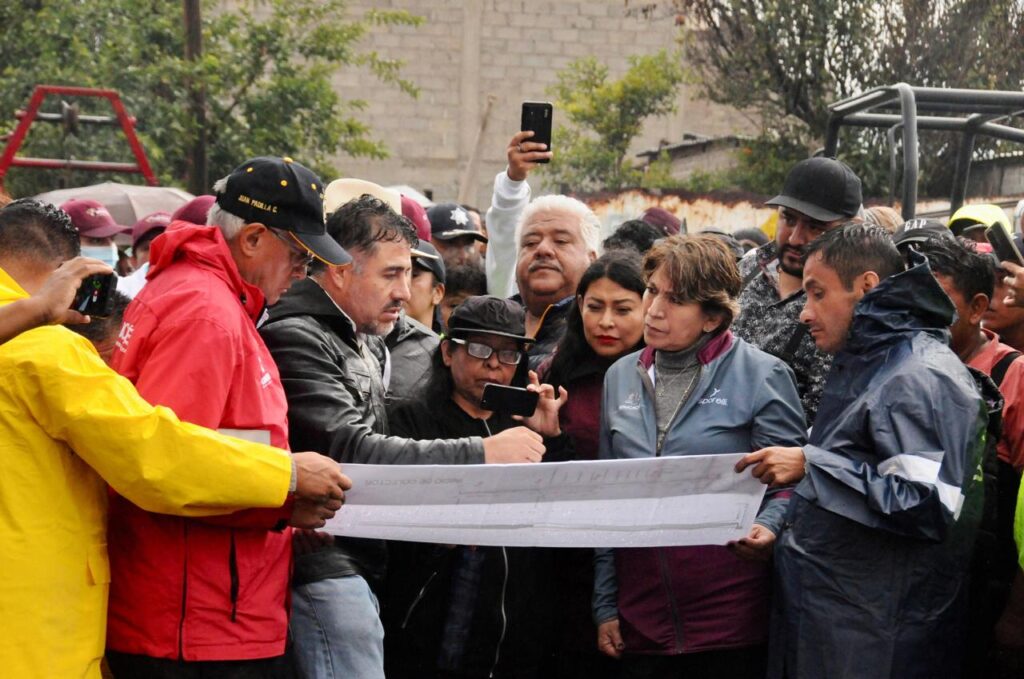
[{"x": 325, "y": 336}]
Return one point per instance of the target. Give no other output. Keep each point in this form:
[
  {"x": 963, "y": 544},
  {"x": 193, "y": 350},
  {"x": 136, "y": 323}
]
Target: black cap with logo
[
  {"x": 282, "y": 194},
  {"x": 919, "y": 230},
  {"x": 824, "y": 189},
  {"x": 489, "y": 315},
  {"x": 448, "y": 221}
]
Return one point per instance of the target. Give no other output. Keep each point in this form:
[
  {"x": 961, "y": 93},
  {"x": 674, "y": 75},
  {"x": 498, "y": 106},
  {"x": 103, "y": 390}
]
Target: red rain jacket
[{"x": 213, "y": 588}]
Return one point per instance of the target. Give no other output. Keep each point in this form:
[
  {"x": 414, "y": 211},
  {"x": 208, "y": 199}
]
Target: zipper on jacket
[
  {"x": 670, "y": 595},
  {"x": 419, "y": 597},
  {"x": 233, "y": 566},
  {"x": 504, "y": 589},
  {"x": 504, "y": 615},
  {"x": 184, "y": 597}
]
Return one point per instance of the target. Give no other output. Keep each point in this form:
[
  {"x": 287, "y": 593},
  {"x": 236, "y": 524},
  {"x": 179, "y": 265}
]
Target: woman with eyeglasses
[
  {"x": 702, "y": 611},
  {"x": 462, "y": 611}
]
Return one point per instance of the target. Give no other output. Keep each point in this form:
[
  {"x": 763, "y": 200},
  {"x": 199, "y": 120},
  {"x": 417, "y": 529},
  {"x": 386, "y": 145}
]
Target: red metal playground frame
[{"x": 31, "y": 114}]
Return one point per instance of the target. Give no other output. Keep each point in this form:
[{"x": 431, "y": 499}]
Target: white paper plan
[{"x": 648, "y": 502}]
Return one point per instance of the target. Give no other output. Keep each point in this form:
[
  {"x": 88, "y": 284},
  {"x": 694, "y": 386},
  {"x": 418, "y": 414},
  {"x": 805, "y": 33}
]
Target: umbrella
[{"x": 127, "y": 203}]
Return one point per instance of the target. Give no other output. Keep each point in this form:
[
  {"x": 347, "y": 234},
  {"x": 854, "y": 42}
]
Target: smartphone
[
  {"x": 537, "y": 118},
  {"x": 512, "y": 400},
  {"x": 95, "y": 296},
  {"x": 1002, "y": 244}
]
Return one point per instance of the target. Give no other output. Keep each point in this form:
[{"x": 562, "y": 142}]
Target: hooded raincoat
[
  {"x": 871, "y": 568},
  {"x": 215, "y": 589},
  {"x": 67, "y": 424}
]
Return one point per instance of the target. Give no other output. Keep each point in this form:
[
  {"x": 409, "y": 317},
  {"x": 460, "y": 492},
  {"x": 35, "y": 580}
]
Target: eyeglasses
[
  {"x": 483, "y": 352},
  {"x": 300, "y": 255}
]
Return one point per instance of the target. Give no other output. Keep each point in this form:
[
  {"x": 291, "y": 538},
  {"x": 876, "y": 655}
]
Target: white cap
[{"x": 341, "y": 191}]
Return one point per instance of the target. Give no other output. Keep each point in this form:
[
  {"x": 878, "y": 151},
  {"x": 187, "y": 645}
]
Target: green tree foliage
[
  {"x": 785, "y": 61},
  {"x": 605, "y": 116},
  {"x": 266, "y": 69}
]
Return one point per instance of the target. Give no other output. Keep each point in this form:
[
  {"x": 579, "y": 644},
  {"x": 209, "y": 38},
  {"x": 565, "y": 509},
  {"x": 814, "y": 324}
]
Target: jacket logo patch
[
  {"x": 713, "y": 399},
  {"x": 124, "y": 337},
  {"x": 632, "y": 402},
  {"x": 265, "y": 378}
]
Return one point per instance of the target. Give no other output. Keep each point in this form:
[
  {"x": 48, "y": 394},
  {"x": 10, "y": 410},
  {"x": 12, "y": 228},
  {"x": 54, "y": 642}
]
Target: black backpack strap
[
  {"x": 789, "y": 351},
  {"x": 1000, "y": 368}
]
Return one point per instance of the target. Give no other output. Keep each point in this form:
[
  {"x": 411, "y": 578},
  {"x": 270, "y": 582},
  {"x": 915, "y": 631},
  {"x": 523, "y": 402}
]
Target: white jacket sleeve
[{"x": 507, "y": 203}]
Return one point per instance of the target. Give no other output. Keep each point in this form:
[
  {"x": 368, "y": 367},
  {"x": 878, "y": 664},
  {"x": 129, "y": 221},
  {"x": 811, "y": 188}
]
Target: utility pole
[{"x": 197, "y": 175}]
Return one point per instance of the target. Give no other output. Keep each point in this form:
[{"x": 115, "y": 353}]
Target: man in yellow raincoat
[{"x": 68, "y": 426}]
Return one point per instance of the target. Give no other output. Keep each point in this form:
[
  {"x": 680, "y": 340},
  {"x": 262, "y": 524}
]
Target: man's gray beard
[{"x": 379, "y": 329}]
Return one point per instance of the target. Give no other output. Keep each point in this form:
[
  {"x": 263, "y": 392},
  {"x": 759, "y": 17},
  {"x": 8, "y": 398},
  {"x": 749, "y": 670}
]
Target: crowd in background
[{"x": 155, "y": 527}]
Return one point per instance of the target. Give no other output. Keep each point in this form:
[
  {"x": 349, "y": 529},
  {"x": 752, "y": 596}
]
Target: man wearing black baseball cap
[
  {"x": 189, "y": 342},
  {"x": 818, "y": 195},
  {"x": 455, "y": 234}
]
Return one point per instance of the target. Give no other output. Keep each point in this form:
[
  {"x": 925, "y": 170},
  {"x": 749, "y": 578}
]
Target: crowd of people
[{"x": 160, "y": 521}]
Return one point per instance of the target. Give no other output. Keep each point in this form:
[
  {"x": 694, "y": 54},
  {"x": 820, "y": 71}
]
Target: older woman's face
[
  {"x": 672, "y": 324},
  {"x": 470, "y": 374}
]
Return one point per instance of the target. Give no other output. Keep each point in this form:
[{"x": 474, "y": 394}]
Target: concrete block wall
[{"x": 467, "y": 52}]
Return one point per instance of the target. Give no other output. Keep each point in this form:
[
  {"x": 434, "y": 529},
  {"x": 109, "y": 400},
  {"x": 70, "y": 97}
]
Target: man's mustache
[{"x": 544, "y": 264}]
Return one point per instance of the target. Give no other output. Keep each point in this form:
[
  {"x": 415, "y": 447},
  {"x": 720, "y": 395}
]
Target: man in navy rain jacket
[{"x": 871, "y": 565}]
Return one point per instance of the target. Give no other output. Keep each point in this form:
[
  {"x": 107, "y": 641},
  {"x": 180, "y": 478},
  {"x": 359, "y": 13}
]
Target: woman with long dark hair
[{"x": 605, "y": 323}]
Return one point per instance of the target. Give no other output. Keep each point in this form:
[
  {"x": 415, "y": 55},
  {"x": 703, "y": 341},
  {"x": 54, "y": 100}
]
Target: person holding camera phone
[
  {"x": 511, "y": 195},
  {"x": 51, "y": 304},
  {"x": 554, "y": 238},
  {"x": 460, "y": 610}
]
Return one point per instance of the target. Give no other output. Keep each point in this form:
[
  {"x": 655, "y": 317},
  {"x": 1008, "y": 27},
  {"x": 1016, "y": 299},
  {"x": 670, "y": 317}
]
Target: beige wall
[{"x": 467, "y": 51}]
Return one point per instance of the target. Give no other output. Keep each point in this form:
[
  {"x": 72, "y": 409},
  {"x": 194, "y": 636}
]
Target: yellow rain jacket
[{"x": 68, "y": 426}]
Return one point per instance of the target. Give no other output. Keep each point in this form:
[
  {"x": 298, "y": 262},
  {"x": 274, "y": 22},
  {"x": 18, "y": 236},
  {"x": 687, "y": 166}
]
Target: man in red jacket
[{"x": 205, "y": 597}]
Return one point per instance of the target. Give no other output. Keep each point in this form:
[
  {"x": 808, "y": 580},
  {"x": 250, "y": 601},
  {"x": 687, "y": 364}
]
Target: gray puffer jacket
[{"x": 336, "y": 407}]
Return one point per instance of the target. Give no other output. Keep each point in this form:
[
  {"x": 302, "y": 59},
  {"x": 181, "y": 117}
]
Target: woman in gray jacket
[{"x": 695, "y": 390}]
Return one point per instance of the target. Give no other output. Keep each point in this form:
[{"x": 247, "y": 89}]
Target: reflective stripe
[
  {"x": 912, "y": 468},
  {"x": 922, "y": 470},
  {"x": 951, "y": 497},
  {"x": 251, "y": 435}
]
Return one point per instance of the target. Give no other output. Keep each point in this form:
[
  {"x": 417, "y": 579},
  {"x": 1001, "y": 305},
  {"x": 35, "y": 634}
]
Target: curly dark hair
[
  {"x": 634, "y": 234},
  {"x": 972, "y": 272},
  {"x": 32, "y": 228},
  {"x": 363, "y": 222}
]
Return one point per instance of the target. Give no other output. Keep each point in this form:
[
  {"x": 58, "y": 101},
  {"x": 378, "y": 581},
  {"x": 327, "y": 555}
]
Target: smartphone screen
[
  {"x": 511, "y": 400},
  {"x": 537, "y": 118},
  {"x": 95, "y": 295}
]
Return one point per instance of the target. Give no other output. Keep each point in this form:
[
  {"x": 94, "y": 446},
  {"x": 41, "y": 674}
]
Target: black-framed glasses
[
  {"x": 484, "y": 351},
  {"x": 300, "y": 255}
]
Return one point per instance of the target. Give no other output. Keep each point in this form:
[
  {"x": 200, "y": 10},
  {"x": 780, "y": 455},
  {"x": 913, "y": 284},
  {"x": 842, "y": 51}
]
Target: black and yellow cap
[{"x": 283, "y": 194}]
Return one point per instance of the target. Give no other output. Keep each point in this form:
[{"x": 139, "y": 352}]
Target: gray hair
[
  {"x": 590, "y": 225},
  {"x": 228, "y": 223}
]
